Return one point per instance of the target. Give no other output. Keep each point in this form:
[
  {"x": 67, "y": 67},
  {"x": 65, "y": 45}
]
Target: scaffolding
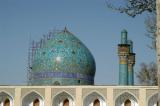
[{"x": 33, "y": 49}]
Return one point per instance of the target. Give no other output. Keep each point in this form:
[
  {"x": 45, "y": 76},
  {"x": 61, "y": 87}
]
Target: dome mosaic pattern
[{"x": 62, "y": 60}]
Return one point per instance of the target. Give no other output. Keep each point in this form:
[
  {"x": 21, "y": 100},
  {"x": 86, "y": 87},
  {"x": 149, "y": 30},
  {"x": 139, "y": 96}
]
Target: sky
[{"x": 91, "y": 21}]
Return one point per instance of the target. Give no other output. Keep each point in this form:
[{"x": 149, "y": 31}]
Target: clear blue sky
[{"x": 90, "y": 20}]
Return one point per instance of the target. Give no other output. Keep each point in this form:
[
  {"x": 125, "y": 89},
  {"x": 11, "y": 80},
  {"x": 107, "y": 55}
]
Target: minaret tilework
[
  {"x": 131, "y": 62},
  {"x": 123, "y": 52},
  {"x": 126, "y": 60}
]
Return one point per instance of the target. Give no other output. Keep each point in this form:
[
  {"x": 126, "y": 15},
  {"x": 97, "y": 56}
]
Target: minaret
[
  {"x": 131, "y": 62},
  {"x": 123, "y": 53}
]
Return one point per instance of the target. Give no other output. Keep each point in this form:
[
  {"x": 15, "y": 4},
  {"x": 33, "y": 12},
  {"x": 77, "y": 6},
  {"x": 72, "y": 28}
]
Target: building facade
[{"x": 78, "y": 95}]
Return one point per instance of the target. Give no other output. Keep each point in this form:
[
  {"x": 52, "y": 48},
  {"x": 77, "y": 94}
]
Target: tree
[
  {"x": 147, "y": 74},
  {"x": 134, "y": 7},
  {"x": 150, "y": 23}
]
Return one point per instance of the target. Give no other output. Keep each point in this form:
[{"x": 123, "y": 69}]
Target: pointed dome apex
[{"x": 67, "y": 31}]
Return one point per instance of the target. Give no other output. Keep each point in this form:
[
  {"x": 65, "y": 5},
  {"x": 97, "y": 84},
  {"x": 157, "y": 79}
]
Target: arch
[
  {"x": 94, "y": 99},
  {"x": 126, "y": 98},
  {"x": 66, "y": 102},
  {"x": 33, "y": 98},
  {"x": 127, "y": 103},
  {"x": 6, "y": 99},
  {"x": 61, "y": 98},
  {"x": 153, "y": 100},
  {"x": 96, "y": 102},
  {"x": 7, "y": 102},
  {"x": 36, "y": 102}
]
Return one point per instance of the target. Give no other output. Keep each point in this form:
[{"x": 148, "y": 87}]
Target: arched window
[
  {"x": 94, "y": 99},
  {"x": 7, "y": 102},
  {"x": 153, "y": 100},
  {"x": 127, "y": 103},
  {"x": 66, "y": 102},
  {"x": 6, "y": 99},
  {"x": 36, "y": 102},
  {"x": 32, "y": 99},
  {"x": 63, "y": 99},
  {"x": 96, "y": 103},
  {"x": 126, "y": 99}
]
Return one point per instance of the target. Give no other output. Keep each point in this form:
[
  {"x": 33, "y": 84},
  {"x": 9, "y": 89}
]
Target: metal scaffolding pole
[{"x": 158, "y": 46}]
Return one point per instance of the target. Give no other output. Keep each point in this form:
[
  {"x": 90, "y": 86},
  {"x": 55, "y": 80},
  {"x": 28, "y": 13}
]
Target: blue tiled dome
[{"x": 62, "y": 60}]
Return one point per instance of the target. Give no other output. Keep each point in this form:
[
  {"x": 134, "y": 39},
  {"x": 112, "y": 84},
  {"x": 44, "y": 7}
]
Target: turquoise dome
[{"x": 62, "y": 60}]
